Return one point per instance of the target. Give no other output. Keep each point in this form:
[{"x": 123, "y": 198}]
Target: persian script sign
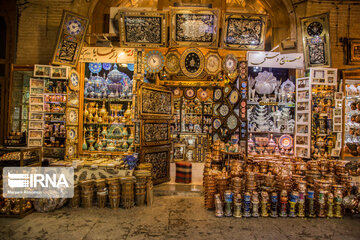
[
  {"x": 275, "y": 60},
  {"x": 107, "y": 55}
]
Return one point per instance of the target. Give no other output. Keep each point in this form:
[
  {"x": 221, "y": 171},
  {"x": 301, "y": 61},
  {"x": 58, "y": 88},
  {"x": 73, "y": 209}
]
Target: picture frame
[
  {"x": 335, "y": 152},
  {"x": 204, "y": 30},
  {"x": 36, "y": 125},
  {"x": 59, "y": 72},
  {"x": 72, "y": 134},
  {"x": 337, "y": 112},
  {"x": 135, "y": 31},
  {"x": 302, "y": 151},
  {"x": 337, "y": 120},
  {"x": 36, "y": 100},
  {"x": 38, "y": 134},
  {"x": 36, "y": 116},
  {"x": 316, "y": 40},
  {"x": 235, "y": 24},
  {"x": 337, "y": 128},
  {"x": 36, "y": 91},
  {"x": 178, "y": 152},
  {"x": 352, "y": 51},
  {"x": 303, "y": 95},
  {"x": 37, "y": 83},
  {"x": 42, "y": 71},
  {"x": 155, "y": 132},
  {"x": 338, "y": 103},
  {"x": 36, "y": 108},
  {"x": 73, "y": 99},
  {"x": 35, "y": 142},
  {"x": 339, "y": 96},
  {"x": 67, "y": 49},
  {"x": 72, "y": 116},
  {"x": 302, "y": 129}
]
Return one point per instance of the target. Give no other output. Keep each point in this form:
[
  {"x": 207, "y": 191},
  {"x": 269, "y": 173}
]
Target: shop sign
[
  {"x": 275, "y": 60},
  {"x": 107, "y": 55}
]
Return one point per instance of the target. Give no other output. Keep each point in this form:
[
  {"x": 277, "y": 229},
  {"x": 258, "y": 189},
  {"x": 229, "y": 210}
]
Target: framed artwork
[
  {"x": 36, "y": 134},
  {"x": 35, "y": 142},
  {"x": 353, "y": 51},
  {"x": 70, "y": 150},
  {"x": 316, "y": 40},
  {"x": 74, "y": 80},
  {"x": 172, "y": 62},
  {"x": 70, "y": 38},
  {"x": 36, "y": 116},
  {"x": 155, "y": 102},
  {"x": 72, "y": 99},
  {"x": 192, "y": 62},
  {"x": 59, "y": 73},
  {"x": 159, "y": 157},
  {"x": 155, "y": 132},
  {"x": 37, "y": 83},
  {"x": 212, "y": 63},
  {"x": 72, "y": 134},
  {"x": 72, "y": 116},
  {"x": 143, "y": 29},
  {"x": 154, "y": 61},
  {"x": 36, "y": 125},
  {"x": 36, "y": 108},
  {"x": 194, "y": 27},
  {"x": 178, "y": 152},
  {"x": 36, "y": 100},
  {"x": 42, "y": 71},
  {"x": 243, "y": 31}
]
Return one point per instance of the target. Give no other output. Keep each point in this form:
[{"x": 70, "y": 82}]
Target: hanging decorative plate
[
  {"x": 224, "y": 110},
  {"x": 154, "y": 61},
  {"x": 71, "y": 133},
  {"x": 227, "y": 89},
  {"x": 178, "y": 92},
  {"x": 234, "y": 97},
  {"x": 232, "y": 122},
  {"x": 70, "y": 150},
  {"x": 286, "y": 141},
  {"x": 95, "y": 67},
  {"x": 189, "y": 93},
  {"x": 172, "y": 62},
  {"x": 106, "y": 66},
  {"x": 216, "y": 137},
  {"x": 74, "y": 27},
  {"x": 216, "y": 105},
  {"x": 72, "y": 116},
  {"x": 230, "y": 63},
  {"x": 192, "y": 62},
  {"x": 202, "y": 94},
  {"x": 212, "y": 63},
  {"x": 74, "y": 80},
  {"x": 233, "y": 76},
  {"x": 216, "y": 123},
  {"x": 217, "y": 94}
]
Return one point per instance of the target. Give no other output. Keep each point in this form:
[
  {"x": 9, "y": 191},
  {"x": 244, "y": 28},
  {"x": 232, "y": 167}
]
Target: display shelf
[
  {"x": 54, "y": 94},
  {"x": 55, "y": 113},
  {"x": 290, "y": 105},
  {"x": 108, "y": 99}
]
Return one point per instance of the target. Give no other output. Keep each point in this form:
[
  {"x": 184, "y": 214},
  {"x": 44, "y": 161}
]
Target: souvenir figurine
[
  {"x": 255, "y": 204},
  {"x": 237, "y": 206},
  {"x": 310, "y": 204},
  {"x": 338, "y": 202},
  {"x": 292, "y": 203},
  {"x": 321, "y": 204},
  {"x": 264, "y": 204},
  {"x": 330, "y": 204},
  {"x": 218, "y": 206},
  {"x": 247, "y": 204},
  {"x": 283, "y": 203},
  {"x": 228, "y": 202},
  {"x": 274, "y": 205}
]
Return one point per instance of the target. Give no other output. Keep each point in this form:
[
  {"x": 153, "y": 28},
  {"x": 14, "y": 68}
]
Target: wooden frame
[
  {"x": 175, "y": 156},
  {"x": 63, "y": 75},
  {"x": 72, "y": 95},
  {"x": 138, "y": 32},
  {"x": 353, "y": 51},
  {"x": 149, "y": 100},
  {"x": 317, "y": 52},
  {"x": 38, "y": 73},
  {"x": 74, "y": 75},
  {"x": 236, "y": 20},
  {"x": 67, "y": 50},
  {"x": 148, "y": 127},
  {"x": 145, "y": 154},
  {"x": 194, "y": 34}
]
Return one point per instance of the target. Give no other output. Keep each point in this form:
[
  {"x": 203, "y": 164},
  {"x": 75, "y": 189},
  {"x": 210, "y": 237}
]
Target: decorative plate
[
  {"x": 154, "y": 61},
  {"x": 189, "y": 93},
  {"x": 178, "y": 92},
  {"x": 71, "y": 133},
  {"x": 70, "y": 150},
  {"x": 230, "y": 63},
  {"x": 202, "y": 94},
  {"x": 286, "y": 141},
  {"x": 232, "y": 122},
  {"x": 217, "y": 94},
  {"x": 234, "y": 97},
  {"x": 95, "y": 67},
  {"x": 192, "y": 62},
  {"x": 216, "y": 105},
  {"x": 72, "y": 116},
  {"x": 74, "y": 80},
  {"x": 224, "y": 110},
  {"x": 172, "y": 62},
  {"x": 227, "y": 89},
  {"x": 106, "y": 66},
  {"x": 216, "y": 123},
  {"x": 74, "y": 27},
  {"x": 212, "y": 63},
  {"x": 216, "y": 137}
]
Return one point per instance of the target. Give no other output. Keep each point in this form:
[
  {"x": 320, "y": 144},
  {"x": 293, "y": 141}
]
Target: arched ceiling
[{"x": 279, "y": 11}]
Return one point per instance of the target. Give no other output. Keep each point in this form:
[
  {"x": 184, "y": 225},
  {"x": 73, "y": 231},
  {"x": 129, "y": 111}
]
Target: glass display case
[
  {"x": 19, "y": 105},
  {"x": 107, "y": 108}
]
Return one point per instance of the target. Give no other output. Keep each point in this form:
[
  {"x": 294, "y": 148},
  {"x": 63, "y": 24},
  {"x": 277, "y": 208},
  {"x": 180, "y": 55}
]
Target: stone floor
[{"x": 171, "y": 217}]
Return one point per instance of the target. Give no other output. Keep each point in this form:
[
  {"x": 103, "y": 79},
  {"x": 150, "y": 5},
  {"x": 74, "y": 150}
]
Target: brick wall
[{"x": 39, "y": 22}]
